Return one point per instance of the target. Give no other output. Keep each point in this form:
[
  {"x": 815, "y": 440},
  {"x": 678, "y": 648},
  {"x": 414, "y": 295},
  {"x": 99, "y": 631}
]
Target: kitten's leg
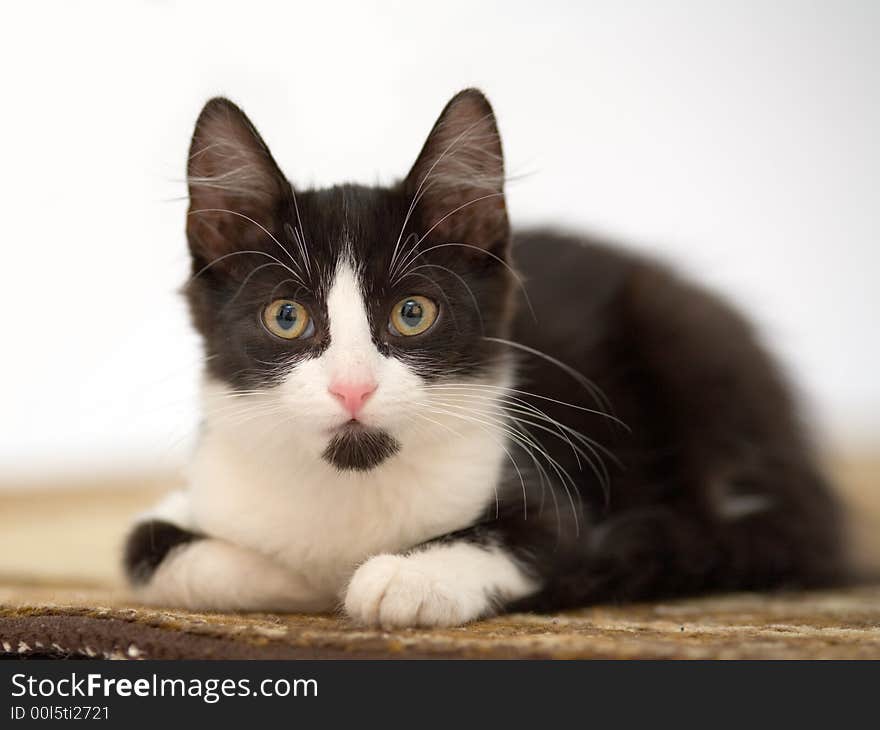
[
  {"x": 168, "y": 563},
  {"x": 442, "y": 583}
]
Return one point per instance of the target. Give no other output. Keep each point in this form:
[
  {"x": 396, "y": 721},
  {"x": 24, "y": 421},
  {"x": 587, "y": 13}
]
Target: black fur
[
  {"x": 715, "y": 486},
  {"x": 709, "y": 418},
  {"x": 356, "y": 448},
  {"x": 229, "y": 287},
  {"x": 147, "y": 546}
]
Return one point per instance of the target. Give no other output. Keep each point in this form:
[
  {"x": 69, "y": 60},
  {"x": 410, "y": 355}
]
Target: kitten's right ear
[
  {"x": 232, "y": 178},
  {"x": 458, "y": 178}
]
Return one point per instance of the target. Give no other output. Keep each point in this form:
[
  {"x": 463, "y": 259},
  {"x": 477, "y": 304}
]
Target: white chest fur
[{"x": 321, "y": 522}]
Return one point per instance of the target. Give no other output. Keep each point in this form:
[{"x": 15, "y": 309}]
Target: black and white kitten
[{"x": 413, "y": 414}]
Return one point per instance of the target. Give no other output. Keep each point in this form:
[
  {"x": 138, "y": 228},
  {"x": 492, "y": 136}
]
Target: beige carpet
[{"x": 60, "y": 596}]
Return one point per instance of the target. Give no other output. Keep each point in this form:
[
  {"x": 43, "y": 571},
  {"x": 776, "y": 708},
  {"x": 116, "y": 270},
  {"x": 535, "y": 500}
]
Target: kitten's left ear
[
  {"x": 234, "y": 184},
  {"x": 458, "y": 177}
]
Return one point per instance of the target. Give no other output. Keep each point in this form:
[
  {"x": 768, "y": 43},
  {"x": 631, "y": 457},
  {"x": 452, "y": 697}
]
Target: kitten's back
[{"x": 714, "y": 465}]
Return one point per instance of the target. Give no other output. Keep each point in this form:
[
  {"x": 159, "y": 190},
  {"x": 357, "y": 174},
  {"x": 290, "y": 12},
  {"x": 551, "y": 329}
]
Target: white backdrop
[{"x": 738, "y": 139}]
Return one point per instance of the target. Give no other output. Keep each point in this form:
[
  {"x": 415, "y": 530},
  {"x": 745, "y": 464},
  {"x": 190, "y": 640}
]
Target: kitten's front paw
[{"x": 393, "y": 591}]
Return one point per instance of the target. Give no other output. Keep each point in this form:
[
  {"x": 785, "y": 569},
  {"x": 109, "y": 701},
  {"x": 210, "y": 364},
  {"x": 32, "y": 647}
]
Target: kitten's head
[{"x": 340, "y": 313}]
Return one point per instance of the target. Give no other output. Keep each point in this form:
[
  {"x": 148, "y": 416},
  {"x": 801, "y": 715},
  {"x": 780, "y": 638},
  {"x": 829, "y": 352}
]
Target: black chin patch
[{"x": 357, "y": 448}]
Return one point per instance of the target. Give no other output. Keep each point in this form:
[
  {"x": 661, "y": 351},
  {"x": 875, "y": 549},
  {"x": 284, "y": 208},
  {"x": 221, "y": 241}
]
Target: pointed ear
[
  {"x": 230, "y": 169},
  {"x": 458, "y": 179}
]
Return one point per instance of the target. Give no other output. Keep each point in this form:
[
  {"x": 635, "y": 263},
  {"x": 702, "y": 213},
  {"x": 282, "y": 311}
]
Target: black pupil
[
  {"x": 411, "y": 313},
  {"x": 286, "y": 316}
]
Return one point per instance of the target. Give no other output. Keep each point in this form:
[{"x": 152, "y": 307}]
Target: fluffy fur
[{"x": 577, "y": 425}]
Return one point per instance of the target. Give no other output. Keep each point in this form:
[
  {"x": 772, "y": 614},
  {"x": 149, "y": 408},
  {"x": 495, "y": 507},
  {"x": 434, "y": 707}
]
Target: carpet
[{"x": 73, "y": 623}]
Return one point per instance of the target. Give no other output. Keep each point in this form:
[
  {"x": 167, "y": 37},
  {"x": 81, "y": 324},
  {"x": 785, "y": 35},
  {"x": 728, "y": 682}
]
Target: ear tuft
[
  {"x": 458, "y": 177},
  {"x": 230, "y": 169}
]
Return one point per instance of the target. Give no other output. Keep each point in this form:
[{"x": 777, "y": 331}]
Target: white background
[{"x": 737, "y": 139}]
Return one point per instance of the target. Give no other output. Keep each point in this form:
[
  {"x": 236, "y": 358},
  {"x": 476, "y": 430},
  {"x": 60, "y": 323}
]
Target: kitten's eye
[
  {"x": 412, "y": 316},
  {"x": 288, "y": 319}
]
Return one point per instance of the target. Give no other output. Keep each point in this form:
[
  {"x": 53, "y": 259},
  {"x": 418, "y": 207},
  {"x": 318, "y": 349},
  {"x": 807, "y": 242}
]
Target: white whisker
[
  {"x": 247, "y": 218},
  {"x": 588, "y": 384}
]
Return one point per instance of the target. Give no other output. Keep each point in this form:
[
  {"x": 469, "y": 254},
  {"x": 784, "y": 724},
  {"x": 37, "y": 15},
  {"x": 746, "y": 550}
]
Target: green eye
[
  {"x": 412, "y": 316},
  {"x": 287, "y": 319}
]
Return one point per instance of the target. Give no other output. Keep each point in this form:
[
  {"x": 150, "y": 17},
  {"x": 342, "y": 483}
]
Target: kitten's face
[{"x": 341, "y": 316}]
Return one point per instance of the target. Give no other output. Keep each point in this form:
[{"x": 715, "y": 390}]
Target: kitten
[{"x": 415, "y": 415}]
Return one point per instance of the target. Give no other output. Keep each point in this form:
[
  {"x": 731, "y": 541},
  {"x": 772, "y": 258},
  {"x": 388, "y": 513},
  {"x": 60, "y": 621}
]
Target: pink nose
[{"x": 352, "y": 395}]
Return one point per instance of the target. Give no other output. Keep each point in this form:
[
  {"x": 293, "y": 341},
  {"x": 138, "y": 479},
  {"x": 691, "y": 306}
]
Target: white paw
[{"x": 393, "y": 591}]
